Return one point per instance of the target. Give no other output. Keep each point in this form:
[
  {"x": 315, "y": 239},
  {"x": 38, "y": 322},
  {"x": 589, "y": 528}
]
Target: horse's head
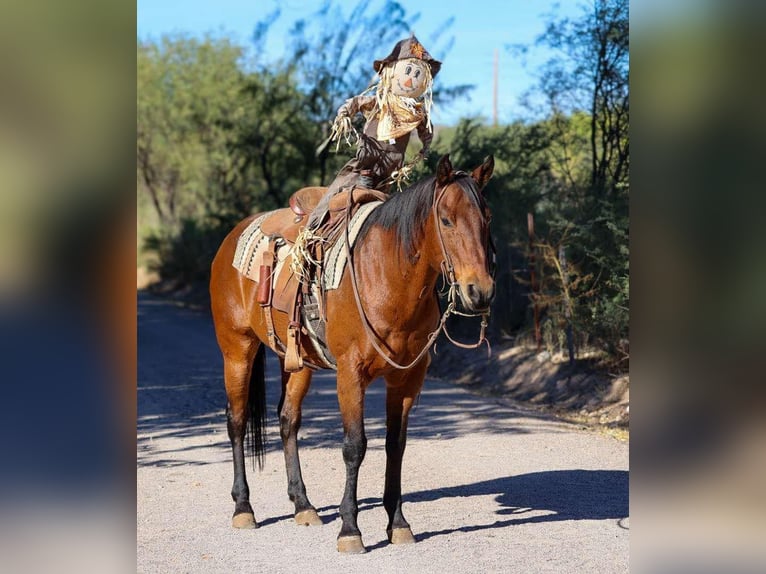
[{"x": 461, "y": 216}]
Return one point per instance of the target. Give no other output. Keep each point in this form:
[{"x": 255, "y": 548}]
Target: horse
[{"x": 380, "y": 323}]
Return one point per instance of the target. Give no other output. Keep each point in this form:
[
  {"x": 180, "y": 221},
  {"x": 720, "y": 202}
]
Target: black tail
[{"x": 256, "y": 404}]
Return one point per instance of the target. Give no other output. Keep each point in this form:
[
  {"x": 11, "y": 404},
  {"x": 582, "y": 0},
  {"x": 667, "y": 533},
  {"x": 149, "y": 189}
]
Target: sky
[{"x": 480, "y": 28}]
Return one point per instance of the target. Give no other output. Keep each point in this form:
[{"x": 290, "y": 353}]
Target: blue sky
[{"x": 480, "y": 28}]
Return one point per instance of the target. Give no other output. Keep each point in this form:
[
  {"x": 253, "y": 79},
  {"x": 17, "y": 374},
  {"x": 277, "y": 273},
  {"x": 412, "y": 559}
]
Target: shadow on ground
[{"x": 562, "y": 494}]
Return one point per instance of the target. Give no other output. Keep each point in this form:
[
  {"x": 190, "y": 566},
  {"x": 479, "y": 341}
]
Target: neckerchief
[{"x": 398, "y": 116}]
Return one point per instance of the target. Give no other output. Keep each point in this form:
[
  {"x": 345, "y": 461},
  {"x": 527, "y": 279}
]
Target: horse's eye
[{"x": 446, "y": 222}]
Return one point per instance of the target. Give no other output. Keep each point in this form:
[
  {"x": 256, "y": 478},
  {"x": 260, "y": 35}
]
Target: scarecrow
[{"x": 397, "y": 104}]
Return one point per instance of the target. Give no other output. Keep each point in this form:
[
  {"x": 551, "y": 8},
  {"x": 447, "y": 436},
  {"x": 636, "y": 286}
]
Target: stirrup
[{"x": 293, "y": 359}]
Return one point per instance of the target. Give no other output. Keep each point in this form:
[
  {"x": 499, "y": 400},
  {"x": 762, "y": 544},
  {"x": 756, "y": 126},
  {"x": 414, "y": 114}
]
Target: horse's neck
[{"x": 411, "y": 279}]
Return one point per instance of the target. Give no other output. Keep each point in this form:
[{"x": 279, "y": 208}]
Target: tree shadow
[{"x": 564, "y": 494}]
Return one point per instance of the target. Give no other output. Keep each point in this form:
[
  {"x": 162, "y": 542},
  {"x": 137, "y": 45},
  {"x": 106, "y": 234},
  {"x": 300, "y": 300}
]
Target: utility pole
[{"x": 494, "y": 93}]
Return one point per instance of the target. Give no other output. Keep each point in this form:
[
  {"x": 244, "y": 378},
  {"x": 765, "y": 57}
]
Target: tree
[
  {"x": 589, "y": 73},
  {"x": 589, "y": 78},
  {"x": 215, "y": 143},
  {"x": 277, "y": 137},
  {"x": 189, "y": 96},
  {"x": 585, "y": 90}
]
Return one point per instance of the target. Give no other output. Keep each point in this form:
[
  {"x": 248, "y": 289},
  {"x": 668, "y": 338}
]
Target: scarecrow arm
[
  {"x": 425, "y": 133},
  {"x": 342, "y": 127},
  {"x": 357, "y": 104}
]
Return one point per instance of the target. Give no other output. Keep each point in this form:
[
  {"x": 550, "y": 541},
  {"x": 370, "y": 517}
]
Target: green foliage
[
  {"x": 189, "y": 96},
  {"x": 586, "y": 87},
  {"x": 184, "y": 255},
  {"x": 276, "y": 139}
]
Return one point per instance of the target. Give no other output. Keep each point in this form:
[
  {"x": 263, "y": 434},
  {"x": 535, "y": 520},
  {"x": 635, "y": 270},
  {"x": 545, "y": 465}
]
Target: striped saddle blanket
[{"x": 253, "y": 243}]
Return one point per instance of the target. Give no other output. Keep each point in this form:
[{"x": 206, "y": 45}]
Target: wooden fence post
[{"x": 533, "y": 282}]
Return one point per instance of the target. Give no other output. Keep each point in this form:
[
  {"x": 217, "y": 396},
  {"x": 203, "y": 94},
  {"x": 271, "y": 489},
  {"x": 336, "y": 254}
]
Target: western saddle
[{"x": 296, "y": 290}]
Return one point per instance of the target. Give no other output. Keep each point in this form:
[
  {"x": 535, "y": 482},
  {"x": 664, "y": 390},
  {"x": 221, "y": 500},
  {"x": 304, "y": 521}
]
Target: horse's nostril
[{"x": 478, "y": 298}]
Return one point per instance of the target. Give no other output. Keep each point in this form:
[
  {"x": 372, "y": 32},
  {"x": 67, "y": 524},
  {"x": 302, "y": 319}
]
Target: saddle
[
  {"x": 288, "y": 223},
  {"x": 299, "y": 296}
]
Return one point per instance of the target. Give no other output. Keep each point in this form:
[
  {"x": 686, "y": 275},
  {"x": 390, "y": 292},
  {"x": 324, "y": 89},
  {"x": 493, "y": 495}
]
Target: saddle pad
[
  {"x": 335, "y": 259},
  {"x": 251, "y": 245}
]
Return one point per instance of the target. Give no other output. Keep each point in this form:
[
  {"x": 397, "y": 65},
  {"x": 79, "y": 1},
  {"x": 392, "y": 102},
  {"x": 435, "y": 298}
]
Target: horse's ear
[
  {"x": 482, "y": 173},
  {"x": 444, "y": 171}
]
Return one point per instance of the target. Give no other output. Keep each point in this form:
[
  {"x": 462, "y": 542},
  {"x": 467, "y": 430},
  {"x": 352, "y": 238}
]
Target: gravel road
[{"x": 488, "y": 486}]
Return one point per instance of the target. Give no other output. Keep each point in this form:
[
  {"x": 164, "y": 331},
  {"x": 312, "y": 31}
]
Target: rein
[{"x": 448, "y": 275}]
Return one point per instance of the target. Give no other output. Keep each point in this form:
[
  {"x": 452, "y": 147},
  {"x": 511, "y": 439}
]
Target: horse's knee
[{"x": 354, "y": 447}]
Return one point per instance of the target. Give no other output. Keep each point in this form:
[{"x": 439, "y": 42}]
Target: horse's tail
[{"x": 256, "y": 406}]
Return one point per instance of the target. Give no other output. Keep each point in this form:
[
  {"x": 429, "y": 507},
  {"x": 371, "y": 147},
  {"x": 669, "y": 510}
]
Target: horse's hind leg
[
  {"x": 294, "y": 389},
  {"x": 238, "y": 359},
  {"x": 402, "y": 390}
]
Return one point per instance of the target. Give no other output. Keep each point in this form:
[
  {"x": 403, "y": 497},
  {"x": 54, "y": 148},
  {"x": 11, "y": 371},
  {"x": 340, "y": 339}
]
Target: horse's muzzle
[{"x": 476, "y": 298}]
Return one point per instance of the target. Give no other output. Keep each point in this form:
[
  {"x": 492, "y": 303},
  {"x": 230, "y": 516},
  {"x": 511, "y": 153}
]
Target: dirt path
[{"x": 488, "y": 486}]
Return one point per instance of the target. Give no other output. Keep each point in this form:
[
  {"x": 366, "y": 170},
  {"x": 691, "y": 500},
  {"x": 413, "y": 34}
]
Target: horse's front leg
[
  {"x": 294, "y": 389},
  {"x": 351, "y": 388},
  {"x": 402, "y": 389}
]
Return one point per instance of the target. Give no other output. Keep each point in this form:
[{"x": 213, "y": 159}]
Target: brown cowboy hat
[{"x": 409, "y": 48}]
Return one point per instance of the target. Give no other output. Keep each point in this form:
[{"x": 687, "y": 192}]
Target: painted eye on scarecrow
[
  {"x": 417, "y": 73},
  {"x": 408, "y": 70}
]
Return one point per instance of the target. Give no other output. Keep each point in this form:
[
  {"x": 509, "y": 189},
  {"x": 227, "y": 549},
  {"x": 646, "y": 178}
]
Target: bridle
[{"x": 448, "y": 275}]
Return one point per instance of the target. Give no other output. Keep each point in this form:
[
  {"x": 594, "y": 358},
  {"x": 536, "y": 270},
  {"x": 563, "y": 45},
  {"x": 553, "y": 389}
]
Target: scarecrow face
[{"x": 409, "y": 78}]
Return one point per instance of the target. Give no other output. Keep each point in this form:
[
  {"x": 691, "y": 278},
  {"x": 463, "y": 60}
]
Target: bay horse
[{"x": 380, "y": 323}]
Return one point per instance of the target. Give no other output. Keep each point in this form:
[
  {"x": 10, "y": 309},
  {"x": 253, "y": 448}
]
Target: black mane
[{"x": 406, "y": 211}]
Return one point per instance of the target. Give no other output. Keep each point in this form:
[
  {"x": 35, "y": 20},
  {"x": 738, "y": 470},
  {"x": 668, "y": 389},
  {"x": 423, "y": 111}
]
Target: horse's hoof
[
  {"x": 351, "y": 545},
  {"x": 400, "y": 536},
  {"x": 308, "y": 518},
  {"x": 244, "y": 520}
]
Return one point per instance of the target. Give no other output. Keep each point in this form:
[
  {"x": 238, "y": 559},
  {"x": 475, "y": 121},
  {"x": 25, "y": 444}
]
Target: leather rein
[{"x": 448, "y": 275}]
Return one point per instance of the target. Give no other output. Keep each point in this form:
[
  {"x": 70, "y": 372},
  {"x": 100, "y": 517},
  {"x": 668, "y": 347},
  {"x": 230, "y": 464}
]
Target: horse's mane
[{"x": 406, "y": 212}]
